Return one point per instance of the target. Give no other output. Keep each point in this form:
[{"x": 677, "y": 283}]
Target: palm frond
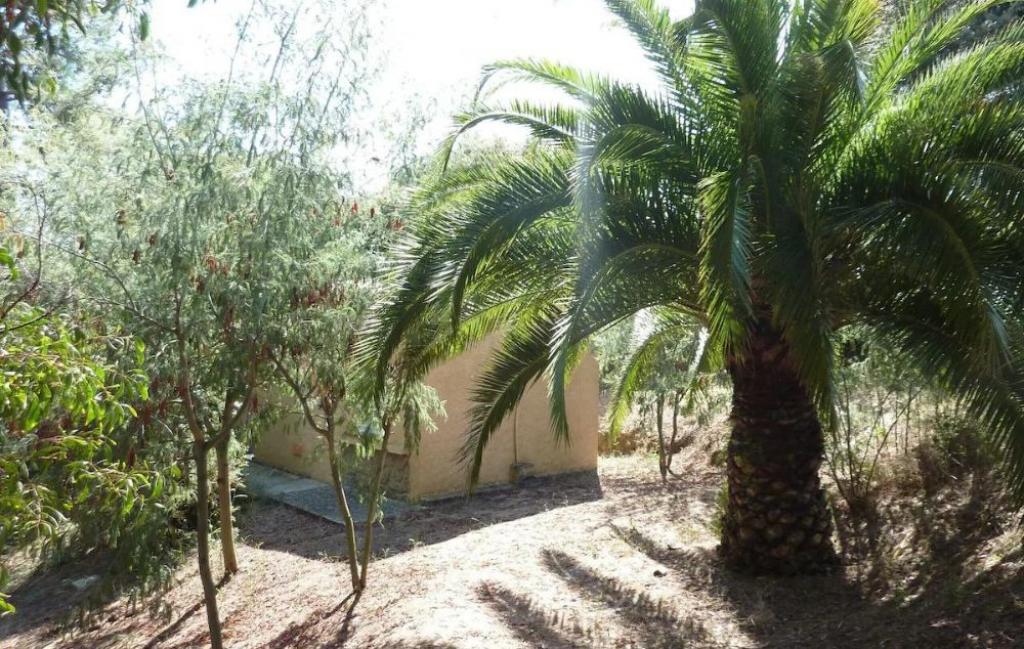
[
  {"x": 725, "y": 256},
  {"x": 663, "y": 40}
]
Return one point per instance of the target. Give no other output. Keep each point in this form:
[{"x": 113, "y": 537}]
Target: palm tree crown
[{"x": 802, "y": 168}]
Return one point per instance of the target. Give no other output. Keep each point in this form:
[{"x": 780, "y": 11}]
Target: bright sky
[{"x": 434, "y": 48}]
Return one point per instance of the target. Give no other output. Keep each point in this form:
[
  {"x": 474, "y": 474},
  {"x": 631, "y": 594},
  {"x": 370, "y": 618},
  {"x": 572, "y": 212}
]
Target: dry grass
[{"x": 612, "y": 560}]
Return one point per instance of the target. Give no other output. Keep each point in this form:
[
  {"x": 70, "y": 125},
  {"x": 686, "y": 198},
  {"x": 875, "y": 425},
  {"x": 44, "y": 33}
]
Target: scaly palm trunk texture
[{"x": 776, "y": 520}]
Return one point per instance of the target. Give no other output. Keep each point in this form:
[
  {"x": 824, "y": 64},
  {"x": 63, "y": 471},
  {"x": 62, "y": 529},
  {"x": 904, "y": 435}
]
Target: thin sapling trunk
[
  {"x": 203, "y": 543},
  {"x": 328, "y": 430},
  {"x": 659, "y": 413},
  {"x": 200, "y": 450},
  {"x": 343, "y": 507},
  {"x": 371, "y": 512},
  {"x": 231, "y": 415},
  {"x": 676, "y": 397},
  {"x": 224, "y": 509}
]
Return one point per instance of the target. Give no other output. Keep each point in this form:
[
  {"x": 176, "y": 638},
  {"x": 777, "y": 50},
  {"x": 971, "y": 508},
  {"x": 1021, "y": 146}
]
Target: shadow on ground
[
  {"x": 914, "y": 582},
  {"x": 918, "y": 584},
  {"x": 648, "y": 622},
  {"x": 942, "y": 605},
  {"x": 799, "y": 612},
  {"x": 430, "y": 523}
]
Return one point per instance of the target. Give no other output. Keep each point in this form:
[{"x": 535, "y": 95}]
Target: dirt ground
[{"x": 612, "y": 559}]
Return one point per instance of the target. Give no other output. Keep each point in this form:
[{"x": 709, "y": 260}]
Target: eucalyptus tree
[
  {"x": 167, "y": 240},
  {"x": 333, "y": 272},
  {"x": 400, "y": 402},
  {"x": 259, "y": 151},
  {"x": 185, "y": 219},
  {"x": 333, "y": 264},
  {"x": 182, "y": 247},
  {"x": 802, "y": 167}
]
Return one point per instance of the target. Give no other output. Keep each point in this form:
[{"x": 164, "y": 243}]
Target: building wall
[
  {"x": 524, "y": 437},
  {"x": 296, "y": 448}
]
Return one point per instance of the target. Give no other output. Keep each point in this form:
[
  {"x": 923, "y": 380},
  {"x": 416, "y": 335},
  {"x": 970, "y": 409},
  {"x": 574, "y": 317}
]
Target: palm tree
[{"x": 802, "y": 168}]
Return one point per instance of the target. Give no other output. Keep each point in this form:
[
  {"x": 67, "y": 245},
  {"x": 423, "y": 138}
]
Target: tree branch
[{"x": 297, "y": 389}]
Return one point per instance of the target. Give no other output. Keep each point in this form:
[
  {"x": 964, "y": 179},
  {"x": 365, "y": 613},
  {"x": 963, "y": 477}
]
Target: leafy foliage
[
  {"x": 333, "y": 266},
  {"x": 63, "y": 475},
  {"x": 33, "y": 30},
  {"x": 213, "y": 225}
]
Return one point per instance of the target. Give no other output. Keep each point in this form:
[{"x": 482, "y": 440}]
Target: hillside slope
[{"x": 614, "y": 560}]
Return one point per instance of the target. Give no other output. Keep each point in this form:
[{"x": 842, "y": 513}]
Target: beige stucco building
[{"x": 524, "y": 440}]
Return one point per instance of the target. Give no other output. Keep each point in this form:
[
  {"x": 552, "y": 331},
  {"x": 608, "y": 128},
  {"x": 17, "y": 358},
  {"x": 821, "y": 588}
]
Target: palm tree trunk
[
  {"x": 203, "y": 543},
  {"x": 227, "y": 528},
  {"x": 776, "y": 520}
]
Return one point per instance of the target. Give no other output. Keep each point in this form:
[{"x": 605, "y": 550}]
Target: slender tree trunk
[
  {"x": 224, "y": 509},
  {"x": 203, "y": 543},
  {"x": 346, "y": 512},
  {"x": 371, "y": 512},
  {"x": 659, "y": 407},
  {"x": 676, "y": 396},
  {"x": 201, "y": 452},
  {"x": 906, "y": 430},
  {"x": 776, "y": 520}
]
